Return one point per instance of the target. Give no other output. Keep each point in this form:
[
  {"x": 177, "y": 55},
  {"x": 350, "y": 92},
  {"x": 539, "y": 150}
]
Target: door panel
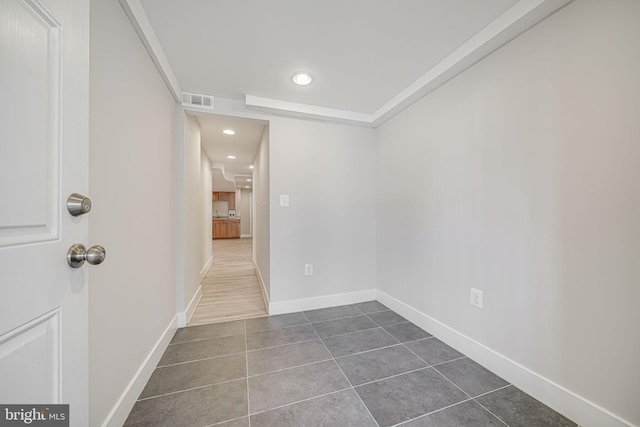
[
  {"x": 33, "y": 351},
  {"x": 44, "y": 128},
  {"x": 30, "y": 134}
]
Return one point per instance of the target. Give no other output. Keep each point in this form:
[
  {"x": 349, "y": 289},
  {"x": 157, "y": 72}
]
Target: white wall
[
  {"x": 328, "y": 171},
  {"x": 133, "y": 294},
  {"x": 195, "y": 215},
  {"x": 261, "y": 238},
  {"x": 245, "y": 209},
  {"x": 520, "y": 178},
  {"x": 206, "y": 182}
]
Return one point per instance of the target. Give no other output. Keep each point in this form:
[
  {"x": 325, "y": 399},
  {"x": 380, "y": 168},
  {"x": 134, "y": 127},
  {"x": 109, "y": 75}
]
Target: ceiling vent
[{"x": 196, "y": 100}]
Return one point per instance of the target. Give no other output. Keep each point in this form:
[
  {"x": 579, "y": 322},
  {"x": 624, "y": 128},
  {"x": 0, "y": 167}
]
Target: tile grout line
[
  {"x": 441, "y": 374},
  {"x": 416, "y": 340},
  {"x": 358, "y": 315},
  {"x": 197, "y": 360},
  {"x": 394, "y": 376},
  {"x": 492, "y": 391},
  {"x": 292, "y": 367},
  {"x": 331, "y": 357},
  {"x": 367, "y": 351},
  {"x": 345, "y": 377},
  {"x": 346, "y": 333},
  {"x": 331, "y": 320},
  {"x": 416, "y": 354},
  {"x": 379, "y": 327},
  {"x": 300, "y": 401},
  {"x": 390, "y": 324},
  {"x": 354, "y": 332},
  {"x": 275, "y": 329},
  {"x": 280, "y": 345},
  {"x": 431, "y": 365},
  {"x": 246, "y": 359},
  {"x": 449, "y": 361},
  {"x": 203, "y": 339},
  {"x": 487, "y": 409},
  {"x": 379, "y": 311},
  {"x": 188, "y": 389},
  {"x": 472, "y": 398},
  {"x": 430, "y": 413}
]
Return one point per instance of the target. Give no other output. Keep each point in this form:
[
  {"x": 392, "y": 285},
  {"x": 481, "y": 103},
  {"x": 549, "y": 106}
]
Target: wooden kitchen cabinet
[
  {"x": 215, "y": 196},
  {"x": 226, "y": 229},
  {"x": 232, "y": 200}
]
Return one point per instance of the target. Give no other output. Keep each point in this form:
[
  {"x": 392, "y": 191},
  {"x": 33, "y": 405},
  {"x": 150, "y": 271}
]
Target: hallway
[{"x": 230, "y": 290}]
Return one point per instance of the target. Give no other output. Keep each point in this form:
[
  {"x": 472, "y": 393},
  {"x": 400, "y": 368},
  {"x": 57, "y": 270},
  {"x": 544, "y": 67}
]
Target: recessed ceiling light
[
  {"x": 248, "y": 179},
  {"x": 231, "y": 157},
  {"x": 246, "y": 186},
  {"x": 302, "y": 79},
  {"x": 229, "y": 132},
  {"x": 251, "y": 167}
]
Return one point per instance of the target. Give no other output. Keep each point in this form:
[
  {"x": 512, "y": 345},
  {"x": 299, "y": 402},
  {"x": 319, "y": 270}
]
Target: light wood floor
[{"x": 230, "y": 290}]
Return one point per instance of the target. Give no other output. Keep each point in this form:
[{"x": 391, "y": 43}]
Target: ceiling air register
[{"x": 197, "y": 100}]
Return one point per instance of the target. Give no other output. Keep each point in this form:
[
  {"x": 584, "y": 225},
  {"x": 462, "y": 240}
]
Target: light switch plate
[{"x": 284, "y": 200}]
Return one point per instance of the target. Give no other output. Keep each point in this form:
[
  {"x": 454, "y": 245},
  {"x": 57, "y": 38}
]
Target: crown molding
[
  {"x": 305, "y": 110},
  {"x": 515, "y": 21},
  {"x": 140, "y": 22}
]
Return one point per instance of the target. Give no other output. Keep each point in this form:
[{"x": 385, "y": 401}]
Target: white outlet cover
[
  {"x": 476, "y": 297},
  {"x": 308, "y": 269},
  {"x": 284, "y": 200}
]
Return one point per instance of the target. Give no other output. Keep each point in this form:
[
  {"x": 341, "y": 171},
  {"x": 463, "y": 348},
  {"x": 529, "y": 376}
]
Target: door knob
[{"x": 78, "y": 254}]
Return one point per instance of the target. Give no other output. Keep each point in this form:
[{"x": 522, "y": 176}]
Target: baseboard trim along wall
[
  {"x": 265, "y": 295},
  {"x": 123, "y": 406},
  {"x": 191, "y": 308},
  {"x": 568, "y": 403},
  {"x": 206, "y": 268},
  {"x": 185, "y": 316},
  {"x": 324, "y": 301}
]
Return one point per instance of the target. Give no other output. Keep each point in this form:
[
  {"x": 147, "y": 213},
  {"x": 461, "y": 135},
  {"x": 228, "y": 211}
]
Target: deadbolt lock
[{"x": 77, "y": 204}]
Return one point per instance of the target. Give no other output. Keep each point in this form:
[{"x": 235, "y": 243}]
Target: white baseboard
[
  {"x": 206, "y": 268},
  {"x": 568, "y": 403},
  {"x": 185, "y": 318},
  {"x": 246, "y": 236},
  {"x": 324, "y": 301},
  {"x": 119, "y": 413},
  {"x": 265, "y": 295}
]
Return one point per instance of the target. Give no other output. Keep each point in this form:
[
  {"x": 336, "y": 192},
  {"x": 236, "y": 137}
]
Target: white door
[{"x": 44, "y": 91}]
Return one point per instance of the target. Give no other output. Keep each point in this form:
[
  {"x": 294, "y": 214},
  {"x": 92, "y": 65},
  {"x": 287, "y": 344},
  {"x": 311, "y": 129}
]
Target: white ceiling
[
  {"x": 361, "y": 52},
  {"x": 243, "y": 145},
  {"x": 370, "y": 58}
]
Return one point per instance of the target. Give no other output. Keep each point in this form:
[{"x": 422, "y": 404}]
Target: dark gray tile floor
[{"x": 354, "y": 365}]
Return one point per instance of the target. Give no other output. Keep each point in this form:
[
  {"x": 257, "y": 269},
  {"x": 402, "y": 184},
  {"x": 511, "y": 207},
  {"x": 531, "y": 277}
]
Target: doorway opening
[{"x": 233, "y": 287}]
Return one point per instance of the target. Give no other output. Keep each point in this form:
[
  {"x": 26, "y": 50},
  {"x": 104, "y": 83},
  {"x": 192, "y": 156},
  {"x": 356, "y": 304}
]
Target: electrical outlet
[
  {"x": 476, "y": 297},
  {"x": 308, "y": 269}
]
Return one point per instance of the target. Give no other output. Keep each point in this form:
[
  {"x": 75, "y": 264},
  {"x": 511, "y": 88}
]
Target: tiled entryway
[{"x": 354, "y": 365}]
